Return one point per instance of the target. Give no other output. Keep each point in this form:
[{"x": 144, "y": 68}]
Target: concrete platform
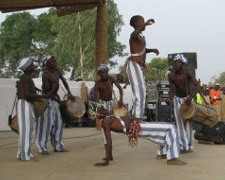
[{"x": 85, "y": 148}]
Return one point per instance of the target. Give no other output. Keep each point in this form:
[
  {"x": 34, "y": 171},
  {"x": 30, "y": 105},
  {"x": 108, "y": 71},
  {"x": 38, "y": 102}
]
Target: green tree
[
  {"x": 78, "y": 31},
  {"x": 44, "y": 36},
  {"x": 71, "y": 39},
  {"x": 220, "y": 79},
  {"x": 16, "y": 39},
  {"x": 157, "y": 69}
]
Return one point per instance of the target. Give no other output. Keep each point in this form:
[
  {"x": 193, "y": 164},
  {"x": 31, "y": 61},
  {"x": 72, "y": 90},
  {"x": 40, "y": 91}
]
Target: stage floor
[{"x": 86, "y": 148}]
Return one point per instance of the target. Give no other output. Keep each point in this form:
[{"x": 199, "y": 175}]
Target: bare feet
[
  {"x": 175, "y": 161},
  {"x": 105, "y": 163},
  {"x": 161, "y": 156},
  {"x": 185, "y": 151}
]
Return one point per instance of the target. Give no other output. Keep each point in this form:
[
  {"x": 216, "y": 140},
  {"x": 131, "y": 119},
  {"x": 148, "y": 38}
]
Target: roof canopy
[{"x": 63, "y": 6}]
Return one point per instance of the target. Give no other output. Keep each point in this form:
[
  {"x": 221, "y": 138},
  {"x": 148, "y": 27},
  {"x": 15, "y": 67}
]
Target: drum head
[
  {"x": 187, "y": 111},
  {"x": 75, "y": 109}
]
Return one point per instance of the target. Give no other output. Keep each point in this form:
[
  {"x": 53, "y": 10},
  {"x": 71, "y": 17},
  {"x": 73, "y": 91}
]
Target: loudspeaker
[{"x": 191, "y": 60}]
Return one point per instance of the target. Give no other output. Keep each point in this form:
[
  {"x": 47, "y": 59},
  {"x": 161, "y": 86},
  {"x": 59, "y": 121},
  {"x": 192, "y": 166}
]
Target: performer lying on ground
[{"x": 162, "y": 133}]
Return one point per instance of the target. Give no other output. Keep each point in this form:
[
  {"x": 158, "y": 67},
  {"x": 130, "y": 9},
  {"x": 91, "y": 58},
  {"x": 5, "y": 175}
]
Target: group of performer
[
  {"x": 173, "y": 138},
  {"x": 50, "y": 122}
]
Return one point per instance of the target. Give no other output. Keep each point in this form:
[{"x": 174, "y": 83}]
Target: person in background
[
  {"x": 215, "y": 95},
  {"x": 26, "y": 91}
]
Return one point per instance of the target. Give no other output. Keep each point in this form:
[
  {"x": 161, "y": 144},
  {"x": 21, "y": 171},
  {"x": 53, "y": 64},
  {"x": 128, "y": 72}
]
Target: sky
[{"x": 180, "y": 26}]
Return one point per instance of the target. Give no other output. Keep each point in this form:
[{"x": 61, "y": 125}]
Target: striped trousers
[
  {"x": 164, "y": 134},
  {"x": 50, "y": 124},
  {"x": 138, "y": 86},
  {"x": 26, "y": 121},
  {"x": 184, "y": 127}
]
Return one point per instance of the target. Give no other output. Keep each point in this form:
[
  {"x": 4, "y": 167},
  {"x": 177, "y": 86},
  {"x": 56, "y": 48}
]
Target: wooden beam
[{"x": 15, "y": 5}]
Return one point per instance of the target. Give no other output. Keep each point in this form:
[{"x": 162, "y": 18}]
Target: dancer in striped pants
[
  {"x": 26, "y": 91},
  {"x": 162, "y": 133},
  {"x": 51, "y": 123},
  {"x": 26, "y": 121},
  {"x": 184, "y": 127},
  {"x": 135, "y": 65}
]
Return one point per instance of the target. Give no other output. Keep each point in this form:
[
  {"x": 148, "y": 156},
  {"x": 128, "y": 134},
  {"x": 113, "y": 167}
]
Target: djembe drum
[
  {"x": 202, "y": 114},
  {"x": 39, "y": 106}
]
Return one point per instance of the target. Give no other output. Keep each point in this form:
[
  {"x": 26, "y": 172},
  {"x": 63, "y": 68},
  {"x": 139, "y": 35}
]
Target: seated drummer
[
  {"x": 179, "y": 93},
  {"x": 162, "y": 133}
]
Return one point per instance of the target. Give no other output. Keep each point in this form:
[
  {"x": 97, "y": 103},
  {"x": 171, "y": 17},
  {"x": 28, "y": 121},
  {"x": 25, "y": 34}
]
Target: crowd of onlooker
[{"x": 214, "y": 96}]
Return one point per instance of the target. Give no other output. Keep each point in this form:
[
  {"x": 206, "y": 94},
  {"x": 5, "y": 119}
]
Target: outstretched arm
[
  {"x": 156, "y": 51},
  {"x": 139, "y": 29}
]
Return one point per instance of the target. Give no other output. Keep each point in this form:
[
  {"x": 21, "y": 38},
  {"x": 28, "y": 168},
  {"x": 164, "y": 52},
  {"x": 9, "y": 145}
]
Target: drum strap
[{"x": 14, "y": 103}]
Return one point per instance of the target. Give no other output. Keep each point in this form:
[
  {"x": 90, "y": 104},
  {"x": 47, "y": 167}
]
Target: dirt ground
[{"x": 85, "y": 148}]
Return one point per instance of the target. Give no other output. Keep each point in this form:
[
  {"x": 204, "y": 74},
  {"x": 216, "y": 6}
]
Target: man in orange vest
[{"x": 216, "y": 97}]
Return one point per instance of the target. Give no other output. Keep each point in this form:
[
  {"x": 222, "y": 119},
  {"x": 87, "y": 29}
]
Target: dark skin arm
[
  {"x": 120, "y": 102},
  {"x": 197, "y": 89},
  {"x": 70, "y": 96}
]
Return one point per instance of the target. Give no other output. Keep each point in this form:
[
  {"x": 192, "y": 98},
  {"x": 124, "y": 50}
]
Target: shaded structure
[{"x": 65, "y": 7}]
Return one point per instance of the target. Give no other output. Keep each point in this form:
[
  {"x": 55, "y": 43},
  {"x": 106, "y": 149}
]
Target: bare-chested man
[
  {"x": 162, "y": 133},
  {"x": 51, "y": 123},
  {"x": 26, "y": 91},
  {"x": 136, "y": 66},
  {"x": 178, "y": 94},
  {"x": 103, "y": 92}
]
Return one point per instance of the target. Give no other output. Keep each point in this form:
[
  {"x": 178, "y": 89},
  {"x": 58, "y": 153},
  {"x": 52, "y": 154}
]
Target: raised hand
[{"x": 150, "y": 22}]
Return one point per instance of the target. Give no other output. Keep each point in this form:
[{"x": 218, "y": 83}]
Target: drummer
[
  {"x": 26, "y": 92},
  {"x": 50, "y": 122},
  {"x": 179, "y": 93},
  {"x": 103, "y": 91}
]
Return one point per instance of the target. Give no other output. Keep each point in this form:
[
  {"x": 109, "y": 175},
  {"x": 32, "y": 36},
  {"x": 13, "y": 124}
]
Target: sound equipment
[{"x": 215, "y": 134}]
